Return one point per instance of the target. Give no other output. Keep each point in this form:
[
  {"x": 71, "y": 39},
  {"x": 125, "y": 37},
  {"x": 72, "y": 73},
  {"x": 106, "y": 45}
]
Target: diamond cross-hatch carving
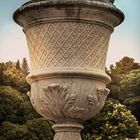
[{"x": 68, "y": 44}]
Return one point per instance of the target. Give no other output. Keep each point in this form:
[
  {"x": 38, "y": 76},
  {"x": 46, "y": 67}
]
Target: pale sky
[{"x": 125, "y": 40}]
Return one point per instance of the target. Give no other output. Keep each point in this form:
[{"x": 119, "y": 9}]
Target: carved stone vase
[{"x": 68, "y": 42}]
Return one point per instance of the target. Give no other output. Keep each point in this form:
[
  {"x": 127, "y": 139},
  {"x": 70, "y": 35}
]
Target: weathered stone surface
[
  {"x": 112, "y": 1},
  {"x": 67, "y": 130},
  {"x": 68, "y": 98},
  {"x": 65, "y": 45},
  {"x": 68, "y": 42}
]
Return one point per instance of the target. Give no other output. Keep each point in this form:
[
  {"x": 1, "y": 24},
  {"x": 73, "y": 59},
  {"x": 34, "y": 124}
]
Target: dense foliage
[
  {"x": 36, "y": 129},
  {"x": 11, "y": 108},
  {"x": 125, "y": 84},
  {"x": 19, "y": 120},
  {"x": 114, "y": 122},
  {"x": 12, "y": 74}
]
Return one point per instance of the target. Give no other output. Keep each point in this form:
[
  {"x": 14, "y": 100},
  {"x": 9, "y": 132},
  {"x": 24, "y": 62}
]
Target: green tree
[
  {"x": 25, "y": 66},
  {"x": 39, "y": 129},
  {"x": 8, "y": 65},
  {"x": 29, "y": 111},
  {"x": 126, "y": 64},
  {"x": 117, "y": 74},
  {"x": 10, "y": 131},
  {"x": 130, "y": 87},
  {"x": 1, "y": 73},
  {"x": 18, "y": 65},
  {"x": 10, "y": 105},
  {"x": 15, "y": 78},
  {"x": 114, "y": 122},
  {"x": 115, "y": 85},
  {"x": 125, "y": 84},
  {"x": 36, "y": 129},
  {"x": 19, "y": 120}
]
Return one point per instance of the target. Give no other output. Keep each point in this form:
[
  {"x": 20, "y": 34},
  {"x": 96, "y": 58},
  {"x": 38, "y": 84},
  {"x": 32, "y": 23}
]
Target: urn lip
[{"x": 106, "y": 7}]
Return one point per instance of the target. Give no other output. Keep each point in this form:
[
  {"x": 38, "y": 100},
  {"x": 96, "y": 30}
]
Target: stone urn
[{"x": 68, "y": 42}]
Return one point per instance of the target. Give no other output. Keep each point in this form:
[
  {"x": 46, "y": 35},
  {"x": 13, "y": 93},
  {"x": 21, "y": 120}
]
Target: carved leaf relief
[
  {"x": 62, "y": 101},
  {"x": 58, "y": 100}
]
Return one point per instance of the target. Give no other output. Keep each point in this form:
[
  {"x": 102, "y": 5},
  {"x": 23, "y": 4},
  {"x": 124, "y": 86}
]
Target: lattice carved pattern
[{"x": 68, "y": 44}]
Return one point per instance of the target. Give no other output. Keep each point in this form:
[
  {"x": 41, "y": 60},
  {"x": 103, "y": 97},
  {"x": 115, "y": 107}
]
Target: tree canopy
[
  {"x": 19, "y": 120},
  {"x": 125, "y": 84}
]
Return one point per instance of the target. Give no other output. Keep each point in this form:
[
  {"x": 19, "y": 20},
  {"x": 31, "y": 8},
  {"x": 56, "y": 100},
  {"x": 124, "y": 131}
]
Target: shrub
[{"x": 114, "y": 122}]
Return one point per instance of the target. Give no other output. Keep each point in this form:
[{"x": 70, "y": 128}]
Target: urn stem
[{"x": 67, "y": 131}]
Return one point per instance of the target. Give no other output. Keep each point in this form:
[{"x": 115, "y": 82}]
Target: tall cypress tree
[
  {"x": 18, "y": 65},
  {"x": 1, "y": 74},
  {"x": 25, "y": 66}
]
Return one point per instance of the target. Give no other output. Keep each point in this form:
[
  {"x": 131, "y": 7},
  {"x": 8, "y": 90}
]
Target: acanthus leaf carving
[
  {"x": 59, "y": 101},
  {"x": 95, "y": 101},
  {"x": 58, "y": 98}
]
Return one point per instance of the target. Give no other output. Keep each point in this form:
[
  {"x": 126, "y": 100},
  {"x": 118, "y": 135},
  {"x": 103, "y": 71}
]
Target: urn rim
[{"x": 104, "y": 6}]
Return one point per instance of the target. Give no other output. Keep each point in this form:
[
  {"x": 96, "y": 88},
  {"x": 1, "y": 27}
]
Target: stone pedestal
[
  {"x": 67, "y": 130},
  {"x": 68, "y": 42}
]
